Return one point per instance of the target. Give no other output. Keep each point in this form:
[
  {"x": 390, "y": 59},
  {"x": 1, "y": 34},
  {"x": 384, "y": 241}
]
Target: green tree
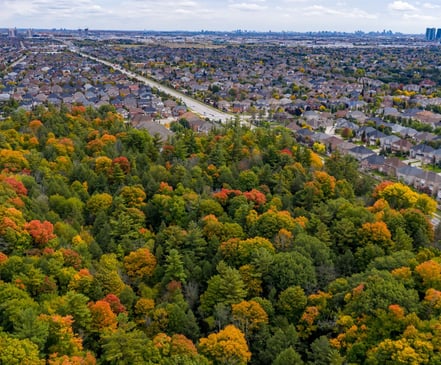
[
  {"x": 128, "y": 346},
  {"x": 323, "y": 354},
  {"x": 174, "y": 267},
  {"x": 17, "y": 352},
  {"x": 227, "y": 288},
  {"x": 288, "y": 356},
  {"x": 30, "y": 327},
  {"x": 292, "y": 302},
  {"x": 291, "y": 269}
]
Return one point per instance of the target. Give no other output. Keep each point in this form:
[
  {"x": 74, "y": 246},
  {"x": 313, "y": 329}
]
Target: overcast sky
[{"x": 260, "y": 15}]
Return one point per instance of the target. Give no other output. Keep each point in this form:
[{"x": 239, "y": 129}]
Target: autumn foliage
[
  {"x": 236, "y": 246},
  {"x": 41, "y": 232},
  {"x": 140, "y": 263},
  {"x": 103, "y": 318},
  {"x": 228, "y": 346}
]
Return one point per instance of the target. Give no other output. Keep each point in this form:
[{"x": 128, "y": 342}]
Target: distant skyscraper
[
  {"x": 12, "y": 32},
  {"x": 430, "y": 34},
  {"x": 438, "y": 34}
]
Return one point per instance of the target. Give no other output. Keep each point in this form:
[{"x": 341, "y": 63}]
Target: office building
[
  {"x": 12, "y": 32},
  {"x": 430, "y": 34}
]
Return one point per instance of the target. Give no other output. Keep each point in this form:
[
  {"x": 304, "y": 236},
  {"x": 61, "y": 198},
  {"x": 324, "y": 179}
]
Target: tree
[
  {"x": 271, "y": 222},
  {"x": 248, "y": 316},
  {"x": 98, "y": 203},
  {"x": 107, "y": 275},
  {"x": 17, "y": 352},
  {"x": 30, "y": 327},
  {"x": 140, "y": 264},
  {"x": 126, "y": 347},
  {"x": 291, "y": 269},
  {"x": 227, "y": 347},
  {"x": 133, "y": 196},
  {"x": 283, "y": 338},
  {"x": 174, "y": 345},
  {"x": 418, "y": 227},
  {"x": 379, "y": 291},
  {"x": 41, "y": 232},
  {"x": 13, "y": 302},
  {"x": 376, "y": 233},
  {"x": 174, "y": 268},
  {"x": 61, "y": 338},
  {"x": 75, "y": 305},
  {"x": 103, "y": 318},
  {"x": 239, "y": 252},
  {"x": 323, "y": 354},
  {"x": 430, "y": 273},
  {"x": 288, "y": 357},
  {"x": 227, "y": 288},
  {"x": 115, "y": 304},
  {"x": 400, "y": 196},
  {"x": 87, "y": 359},
  {"x": 400, "y": 351},
  {"x": 13, "y": 160},
  {"x": 292, "y": 302},
  {"x": 343, "y": 167},
  {"x": 143, "y": 309}
]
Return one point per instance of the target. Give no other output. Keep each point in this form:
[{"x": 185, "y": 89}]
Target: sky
[{"x": 410, "y": 17}]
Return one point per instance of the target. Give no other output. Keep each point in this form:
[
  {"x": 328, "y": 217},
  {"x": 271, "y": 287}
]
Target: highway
[{"x": 205, "y": 111}]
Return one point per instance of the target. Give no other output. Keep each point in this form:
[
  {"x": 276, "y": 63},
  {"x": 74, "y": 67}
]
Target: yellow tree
[
  {"x": 239, "y": 252},
  {"x": 248, "y": 316},
  {"x": 175, "y": 345},
  {"x": 62, "y": 339},
  {"x": 430, "y": 273},
  {"x": 227, "y": 347},
  {"x": 133, "y": 196},
  {"x": 17, "y": 352},
  {"x": 376, "y": 233},
  {"x": 401, "y": 351},
  {"x": 99, "y": 203},
  {"x": 400, "y": 196},
  {"x": 13, "y": 160},
  {"x": 140, "y": 263}
]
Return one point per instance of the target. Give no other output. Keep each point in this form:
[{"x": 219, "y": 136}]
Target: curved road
[{"x": 205, "y": 111}]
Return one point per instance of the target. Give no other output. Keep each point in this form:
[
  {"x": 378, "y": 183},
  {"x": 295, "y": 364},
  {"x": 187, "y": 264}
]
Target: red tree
[{"x": 41, "y": 232}]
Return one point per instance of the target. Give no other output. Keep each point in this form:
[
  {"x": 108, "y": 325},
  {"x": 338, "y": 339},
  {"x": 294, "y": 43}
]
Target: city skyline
[{"x": 411, "y": 17}]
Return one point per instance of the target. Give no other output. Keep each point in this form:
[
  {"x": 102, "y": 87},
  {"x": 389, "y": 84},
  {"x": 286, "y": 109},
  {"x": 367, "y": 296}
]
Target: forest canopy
[{"x": 234, "y": 247}]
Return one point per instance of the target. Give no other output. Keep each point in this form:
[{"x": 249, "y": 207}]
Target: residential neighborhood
[{"x": 342, "y": 97}]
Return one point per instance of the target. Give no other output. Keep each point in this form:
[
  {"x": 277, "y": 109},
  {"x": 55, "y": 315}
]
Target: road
[
  {"x": 21, "y": 59},
  {"x": 205, "y": 111}
]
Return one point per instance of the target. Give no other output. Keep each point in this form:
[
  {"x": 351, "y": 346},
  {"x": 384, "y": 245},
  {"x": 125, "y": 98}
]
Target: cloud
[
  {"x": 190, "y": 4},
  {"x": 319, "y": 10},
  {"x": 419, "y": 17},
  {"x": 45, "y": 8},
  {"x": 431, "y": 6},
  {"x": 247, "y": 6},
  {"x": 183, "y": 11},
  {"x": 401, "y": 6}
]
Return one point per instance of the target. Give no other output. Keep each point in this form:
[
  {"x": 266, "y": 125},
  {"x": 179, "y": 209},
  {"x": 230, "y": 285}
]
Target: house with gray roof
[
  {"x": 373, "y": 162},
  {"x": 155, "y": 129},
  {"x": 422, "y": 152},
  {"x": 420, "y": 179},
  {"x": 408, "y": 132},
  {"x": 391, "y": 165},
  {"x": 360, "y": 152},
  {"x": 387, "y": 141}
]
